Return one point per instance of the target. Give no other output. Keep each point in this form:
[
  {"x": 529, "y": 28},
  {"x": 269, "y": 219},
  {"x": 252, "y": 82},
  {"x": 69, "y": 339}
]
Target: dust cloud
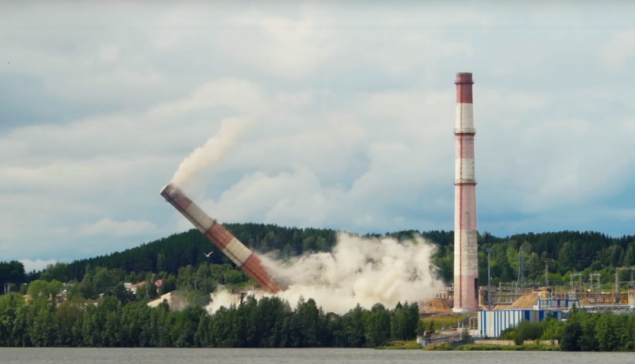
[
  {"x": 362, "y": 271},
  {"x": 212, "y": 151}
]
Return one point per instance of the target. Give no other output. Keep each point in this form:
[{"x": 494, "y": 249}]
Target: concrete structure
[
  {"x": 242, "y": 256},
  {"x": 492, "y": 323},
  {"x": 556, "y": 304},
  {"x": 134, "y": 287},
  {"x": 465, "y": 233},
  {"x": 175, "y": 300},
  {"x": 443, "y": 339},
  {"x": 511, "y": 342}
]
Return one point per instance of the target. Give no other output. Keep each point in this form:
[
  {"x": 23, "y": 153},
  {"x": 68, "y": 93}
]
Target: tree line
[
  {"x": 265, "y": 323},
  {"x": 195, "y": 284},
  {"x": 583, "y": 331},
  {"x": 560, "y": 252},
  {"x": 12, "y": 275}
]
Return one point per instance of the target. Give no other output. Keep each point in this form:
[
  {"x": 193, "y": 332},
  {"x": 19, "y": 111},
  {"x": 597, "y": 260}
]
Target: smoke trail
[
  {"x": 359, "y": 270},
  {"x": 210, "y": 152}
]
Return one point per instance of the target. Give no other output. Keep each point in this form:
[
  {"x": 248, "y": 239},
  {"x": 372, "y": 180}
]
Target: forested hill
[
  {"x": 179, "y": 250},
  {"x": 563, "y": 252}
]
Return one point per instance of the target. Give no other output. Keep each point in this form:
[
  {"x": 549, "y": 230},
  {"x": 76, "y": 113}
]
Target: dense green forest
[
  {"x": 582, "y": 331},
  {"x": 99, "y": 311},
  {"x": 269, "y": 322},
  {"x": 562, "y": 252}
]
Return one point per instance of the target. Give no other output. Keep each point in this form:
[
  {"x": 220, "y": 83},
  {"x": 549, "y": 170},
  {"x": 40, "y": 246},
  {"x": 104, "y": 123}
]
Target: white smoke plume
[
  {"x": 361, "y": 271},
  {"x": 212, "y": 151}
]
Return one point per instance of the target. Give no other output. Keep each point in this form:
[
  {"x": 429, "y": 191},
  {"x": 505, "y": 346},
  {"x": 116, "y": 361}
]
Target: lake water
[{"x": 300, "y": 356}]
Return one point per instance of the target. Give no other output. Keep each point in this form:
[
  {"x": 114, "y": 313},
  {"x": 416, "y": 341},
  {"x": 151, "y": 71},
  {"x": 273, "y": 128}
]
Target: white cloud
[
  {"x": 300, "y": 198},
  {"x": 109, "y": 53},
  {"x": 108, "y": 226},
  {"x": 619, "y": 49},
  {"x": 285, "y": 47},
  {"x": 240, "y": 95},
  {"x": 36, "y": 265}
]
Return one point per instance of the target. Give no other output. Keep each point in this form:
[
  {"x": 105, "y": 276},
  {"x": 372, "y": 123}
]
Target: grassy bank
[
  {"x": 475, "y": 347},
  {"x": 400, "y": 345}
]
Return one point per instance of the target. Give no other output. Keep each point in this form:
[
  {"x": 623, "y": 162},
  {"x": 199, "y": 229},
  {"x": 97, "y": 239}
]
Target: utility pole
[
  {"x": 489, "y": 279},
  {"x": 547, "y": 273},
  {"x": 579, "y": 275},
  {"x": 591, "y": 279},
  {"x": 617, "y": 285},
  {"x": 153, "y": 284}
]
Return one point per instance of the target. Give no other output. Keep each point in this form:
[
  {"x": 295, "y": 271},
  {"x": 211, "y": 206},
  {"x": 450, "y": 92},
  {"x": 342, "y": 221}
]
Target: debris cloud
[
  {"x": 362, "y": 271},
  {"x": 212, "y": 151}
]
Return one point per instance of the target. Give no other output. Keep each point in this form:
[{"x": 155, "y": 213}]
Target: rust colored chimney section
[{"x": 242, "y": 256}]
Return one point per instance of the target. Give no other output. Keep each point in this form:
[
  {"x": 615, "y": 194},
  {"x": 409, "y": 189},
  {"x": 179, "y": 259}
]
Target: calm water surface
[{"x": 300, "y": 356}]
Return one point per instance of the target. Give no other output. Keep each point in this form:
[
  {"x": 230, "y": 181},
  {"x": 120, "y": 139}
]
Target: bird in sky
[{"x": 208, "y": 254}]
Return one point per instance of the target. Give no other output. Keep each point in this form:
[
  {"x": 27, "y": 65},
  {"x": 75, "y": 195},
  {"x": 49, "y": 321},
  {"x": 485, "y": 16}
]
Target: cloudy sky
[{"x": 351, "y": 107}]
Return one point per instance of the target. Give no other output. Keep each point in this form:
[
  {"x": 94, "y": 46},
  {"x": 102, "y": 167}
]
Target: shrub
[
  {"x": 571, "y": 337},
  {"x": 528, "y": 331}
]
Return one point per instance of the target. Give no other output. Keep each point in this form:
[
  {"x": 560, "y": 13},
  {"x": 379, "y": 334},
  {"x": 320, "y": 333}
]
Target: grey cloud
[
  {"x": 36, "y": 265},
  {"x": 25, "y": 101},
  {"x": 108, "y": 226}
]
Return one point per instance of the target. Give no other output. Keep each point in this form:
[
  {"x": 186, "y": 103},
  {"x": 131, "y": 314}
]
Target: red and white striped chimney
[{"x": 465, "y": 233}]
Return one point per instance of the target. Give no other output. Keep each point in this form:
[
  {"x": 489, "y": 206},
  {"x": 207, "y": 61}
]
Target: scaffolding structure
[
  {"x": 521, "y": 268},
  {"x": 619, "y": 297},
  {"x": 572, "y": 278},
  {"x": 591, "y": 280},
  {"x": 586, "y": 287}
]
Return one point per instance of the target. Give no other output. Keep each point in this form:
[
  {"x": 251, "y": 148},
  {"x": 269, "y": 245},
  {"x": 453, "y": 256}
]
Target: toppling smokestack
[
  {"x": 465, "y": 233},
  {"x": 242, "y": 256}
]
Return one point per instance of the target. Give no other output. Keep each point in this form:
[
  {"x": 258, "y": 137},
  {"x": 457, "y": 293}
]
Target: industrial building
[{"x": 492, "y": 323}]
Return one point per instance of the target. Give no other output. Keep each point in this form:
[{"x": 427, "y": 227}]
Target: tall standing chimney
[{"x": 465, "y": 233}]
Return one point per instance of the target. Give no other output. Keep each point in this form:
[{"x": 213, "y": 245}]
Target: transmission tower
[
  {"x": 595, "y": 275},
  {"x": 521, "y": 267},
  {"x": 579, "y": 275},
  {"x": 617, "y": 281}
]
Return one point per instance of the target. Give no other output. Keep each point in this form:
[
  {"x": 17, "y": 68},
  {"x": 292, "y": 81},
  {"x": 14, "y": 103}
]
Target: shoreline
[
  {"x": 491, "y": 347},
  {"x": 412, "y": 345}
]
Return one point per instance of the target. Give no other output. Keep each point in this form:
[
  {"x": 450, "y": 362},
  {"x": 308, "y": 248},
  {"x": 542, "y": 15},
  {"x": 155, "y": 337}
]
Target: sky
[{"x": 351, "y": 115}]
